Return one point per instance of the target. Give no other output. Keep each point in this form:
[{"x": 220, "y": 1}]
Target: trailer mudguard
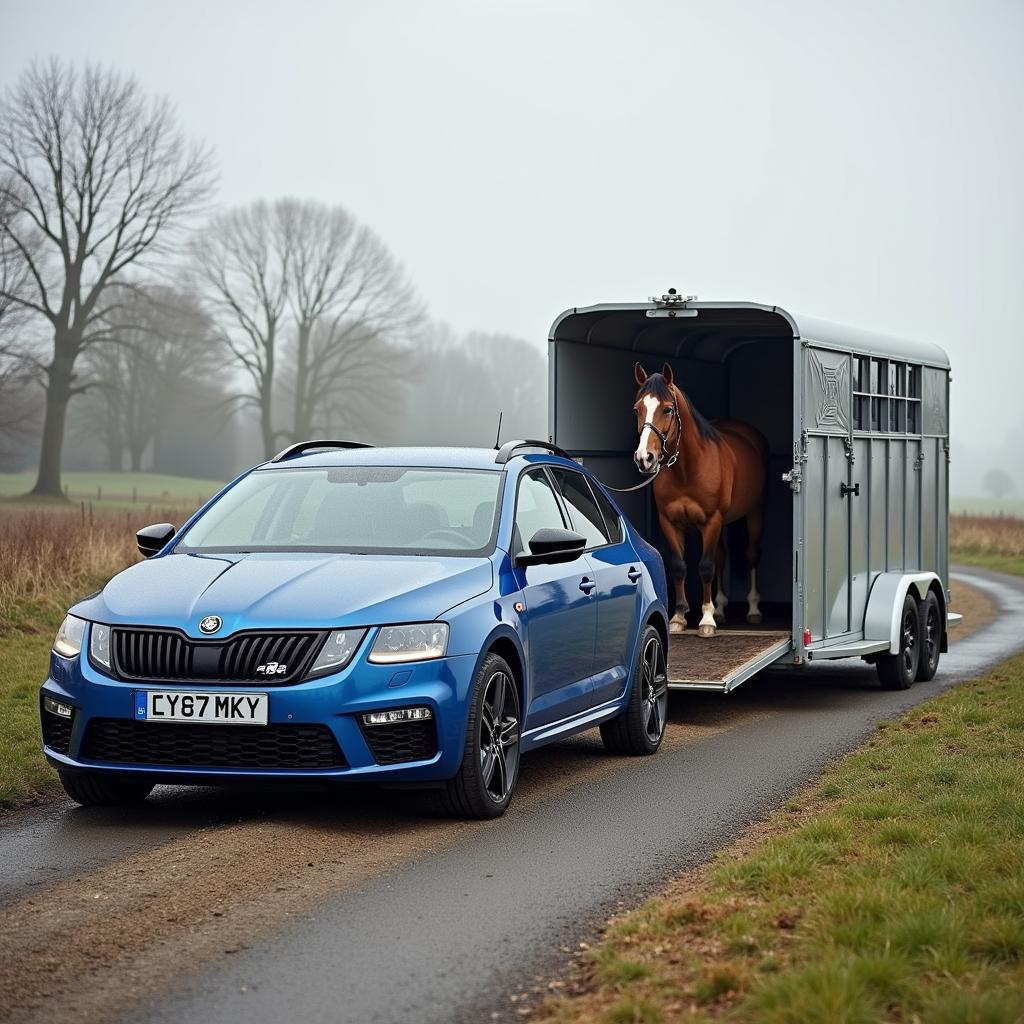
[{"x": 885, "y": 602}]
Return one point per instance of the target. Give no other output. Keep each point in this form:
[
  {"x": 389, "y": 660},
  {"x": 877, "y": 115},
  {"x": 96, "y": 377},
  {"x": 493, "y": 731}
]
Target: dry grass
[
  {"x": 996, "y": 542},
  {"x": 49, "y": 559}
]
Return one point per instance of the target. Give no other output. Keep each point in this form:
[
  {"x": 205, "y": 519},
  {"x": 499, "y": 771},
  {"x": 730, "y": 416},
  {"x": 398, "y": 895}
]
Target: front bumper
[{"x": 335, "y": 703}]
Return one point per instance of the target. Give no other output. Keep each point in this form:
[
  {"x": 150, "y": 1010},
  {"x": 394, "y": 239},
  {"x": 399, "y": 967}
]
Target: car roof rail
[
  {"x": 509, "y": 448},
  {"x": 307, "y": 446}
]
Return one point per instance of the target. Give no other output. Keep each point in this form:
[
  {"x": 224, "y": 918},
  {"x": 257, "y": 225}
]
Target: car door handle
[
  {"x": 634, "y": 574},
  {"x": 587, "y": 585}
]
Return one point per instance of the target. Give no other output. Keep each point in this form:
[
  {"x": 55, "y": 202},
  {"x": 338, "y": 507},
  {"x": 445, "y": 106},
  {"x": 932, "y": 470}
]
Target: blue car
[{"x": 417, "y": 617}]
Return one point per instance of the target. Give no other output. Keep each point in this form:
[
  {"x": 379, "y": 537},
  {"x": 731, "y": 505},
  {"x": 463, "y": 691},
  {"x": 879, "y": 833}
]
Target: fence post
[
  {"x": 90, "y": 513},
  {"x": 83, "y": 513}
]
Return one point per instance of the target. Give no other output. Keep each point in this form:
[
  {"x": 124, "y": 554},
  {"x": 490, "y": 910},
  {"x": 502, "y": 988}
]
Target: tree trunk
[
  {"x": 58, "y": 394},
  {"x": 300, "y": 419},
  {"x": 136, "y": 456}
]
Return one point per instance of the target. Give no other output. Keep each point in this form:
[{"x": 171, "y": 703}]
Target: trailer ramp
[{"x": 721, "y": 662}]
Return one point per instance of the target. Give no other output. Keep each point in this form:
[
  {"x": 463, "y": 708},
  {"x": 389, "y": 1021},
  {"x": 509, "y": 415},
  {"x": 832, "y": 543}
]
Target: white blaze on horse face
[{"x": 650, "y": 404}]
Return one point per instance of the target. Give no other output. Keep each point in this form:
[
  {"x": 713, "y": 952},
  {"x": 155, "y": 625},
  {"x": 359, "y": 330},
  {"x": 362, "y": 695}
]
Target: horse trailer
[{"x": 857, "y": 426}]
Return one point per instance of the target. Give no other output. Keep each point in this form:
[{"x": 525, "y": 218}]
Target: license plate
[{"x": 192, "y": 706}]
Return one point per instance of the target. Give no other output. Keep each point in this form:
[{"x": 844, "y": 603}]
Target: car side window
[
  {"x": 612, "y": 521},
  {"x": 536, "y": 507},
  {"x": 585, "y": 516}
]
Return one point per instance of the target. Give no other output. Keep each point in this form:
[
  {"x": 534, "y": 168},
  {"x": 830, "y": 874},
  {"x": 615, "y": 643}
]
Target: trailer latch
[{"x": 793, "y": 478}]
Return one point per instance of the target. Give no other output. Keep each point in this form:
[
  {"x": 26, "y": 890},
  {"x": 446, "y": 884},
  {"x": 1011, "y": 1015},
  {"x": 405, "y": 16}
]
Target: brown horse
[{"x": 708, "y": 475}]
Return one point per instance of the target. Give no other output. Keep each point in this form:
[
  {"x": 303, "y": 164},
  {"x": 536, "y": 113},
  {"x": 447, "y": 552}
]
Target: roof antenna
[{"x": 497, "y": 438}]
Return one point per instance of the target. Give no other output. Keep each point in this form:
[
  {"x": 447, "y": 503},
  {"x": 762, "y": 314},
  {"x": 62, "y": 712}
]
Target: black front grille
[
  {"x": 56, "y": 731},
  {"x": 168, "y": 654},
  {"x": 401, "y": 741},
  {"x": 172, "y": 745}
]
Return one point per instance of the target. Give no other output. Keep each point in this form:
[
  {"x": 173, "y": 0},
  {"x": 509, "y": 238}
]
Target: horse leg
[
  {"x": 755, "y": 529},
  {"x": 720, "y": 598},
  {"x": 710, "y": 533},
  {"x": 677, "y": 567}
]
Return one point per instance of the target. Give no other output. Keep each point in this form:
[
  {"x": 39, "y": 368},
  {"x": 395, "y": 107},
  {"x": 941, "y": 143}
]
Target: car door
[
  {"x": 617, "y": 571},
  {"x": 561, "y": 610}
]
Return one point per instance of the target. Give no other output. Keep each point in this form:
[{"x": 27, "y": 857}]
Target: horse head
[{"x": 657, "y": 419}]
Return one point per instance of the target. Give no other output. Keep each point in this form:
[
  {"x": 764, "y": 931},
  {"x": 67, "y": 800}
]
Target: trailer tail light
[{"x": 807, "y": 637}]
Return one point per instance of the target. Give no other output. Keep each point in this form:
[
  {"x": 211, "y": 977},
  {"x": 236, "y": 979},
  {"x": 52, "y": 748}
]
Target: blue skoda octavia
[{"x": 411, "y": 616}]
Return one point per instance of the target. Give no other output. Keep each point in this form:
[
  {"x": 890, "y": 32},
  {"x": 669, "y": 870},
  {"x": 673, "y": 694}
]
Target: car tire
[
  {"x": 898, "y": 671},
  {"x": 930, "y": 614},
  {"x": 489, "y": 771},
  {"x": 91, "y": 789},
  {"x": 640, "y": 728}
]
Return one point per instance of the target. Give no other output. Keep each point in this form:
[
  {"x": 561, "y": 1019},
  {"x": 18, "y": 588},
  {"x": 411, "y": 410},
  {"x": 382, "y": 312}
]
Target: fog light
[
  {"x": 56, "y": 708},
  {"x": 398, "y": 715}
]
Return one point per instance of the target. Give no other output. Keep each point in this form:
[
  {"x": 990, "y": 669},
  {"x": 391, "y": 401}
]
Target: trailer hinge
[
  {"x": 919, "y": 461},
  {"x": 945, "y": 447},
  {"x": 795, "y": 476},
  {"x": 848, "y": 445}
]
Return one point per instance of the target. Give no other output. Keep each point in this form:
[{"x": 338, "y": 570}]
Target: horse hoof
[
  {"x": 676, "y": 626},
  {"x": 706, "y": 630},
  {"x": 754, "y": 618}
]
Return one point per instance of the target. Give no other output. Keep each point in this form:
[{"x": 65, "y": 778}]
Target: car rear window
[{"x": 379, "y": 509}]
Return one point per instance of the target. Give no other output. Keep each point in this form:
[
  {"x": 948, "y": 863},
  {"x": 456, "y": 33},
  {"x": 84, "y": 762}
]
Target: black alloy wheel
[
  {"x": 640, "y": 728},
  {"x": 489, "y": 771}
]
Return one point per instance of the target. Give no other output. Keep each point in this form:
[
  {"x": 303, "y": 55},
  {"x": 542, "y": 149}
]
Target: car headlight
[
  {"x": 99, "y": 645},
  {"x": 417, "y": 642},
  {"x": 69, "y": 637},
  {"x": 337, "y": 652}
]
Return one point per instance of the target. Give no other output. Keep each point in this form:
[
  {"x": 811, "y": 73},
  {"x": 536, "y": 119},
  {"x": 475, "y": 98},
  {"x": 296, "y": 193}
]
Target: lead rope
[{"x": 669, "y": 464}]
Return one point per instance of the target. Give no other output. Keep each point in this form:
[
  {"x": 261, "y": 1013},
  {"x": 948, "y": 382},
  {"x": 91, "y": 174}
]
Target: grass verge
[
  {"x": 992, "y": 542},
  {"x": 893, "y": 889},
  {"x": 48, "y": 561}
]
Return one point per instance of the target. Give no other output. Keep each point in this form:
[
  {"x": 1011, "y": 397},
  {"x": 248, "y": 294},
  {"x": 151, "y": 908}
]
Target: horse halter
[{"x": 663, "y": 437}]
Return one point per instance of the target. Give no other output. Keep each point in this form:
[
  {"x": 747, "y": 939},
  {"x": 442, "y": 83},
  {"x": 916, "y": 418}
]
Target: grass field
[
  {"x": 986, "y": 506},
  {"x": 118, "y": 490},
  {"x": 49, "y": 558},
  {"x": 892, "y": 890},
  {"x": 993, "y": 542}
]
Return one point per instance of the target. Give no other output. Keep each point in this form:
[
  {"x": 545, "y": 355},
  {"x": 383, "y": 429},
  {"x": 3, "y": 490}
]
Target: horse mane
[{"x": 660, "y": 388}]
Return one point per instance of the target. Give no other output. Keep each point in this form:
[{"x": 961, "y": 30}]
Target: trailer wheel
[
  {"x": 930, "y": 615},
  {"x": 639, "y": 729},
  {"x": 898, "y": 671}
]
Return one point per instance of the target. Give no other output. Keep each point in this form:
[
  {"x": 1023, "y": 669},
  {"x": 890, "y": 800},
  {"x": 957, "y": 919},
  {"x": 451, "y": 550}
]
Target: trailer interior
[{"x": 733, "y": 363}]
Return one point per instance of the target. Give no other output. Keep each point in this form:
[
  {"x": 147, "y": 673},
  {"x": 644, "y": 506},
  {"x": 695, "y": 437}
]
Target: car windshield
[{"x": 382, "y": 509}]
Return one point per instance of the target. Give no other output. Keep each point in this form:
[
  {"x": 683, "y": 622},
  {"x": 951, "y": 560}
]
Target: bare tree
[
  {"x": 462, "y": 383},
  {"x": 998, "y": 483},
  {"x": 96, "y": 177},
  {"x": 161, "y": 349},
  {"x": 309, "y": 276},
  {"x": 349, "y": 299},
  {"x": 241, "y": 262}
]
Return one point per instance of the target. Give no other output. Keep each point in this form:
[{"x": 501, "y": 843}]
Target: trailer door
[{"x": 831, "y": 495}]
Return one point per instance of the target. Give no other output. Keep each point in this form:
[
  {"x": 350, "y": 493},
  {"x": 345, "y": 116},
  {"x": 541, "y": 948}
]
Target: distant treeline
[{"x": 140, "y": 328}]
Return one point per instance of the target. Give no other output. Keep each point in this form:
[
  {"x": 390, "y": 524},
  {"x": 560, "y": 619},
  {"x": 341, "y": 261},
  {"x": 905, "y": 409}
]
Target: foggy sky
[{"x": 860, "y": 162}]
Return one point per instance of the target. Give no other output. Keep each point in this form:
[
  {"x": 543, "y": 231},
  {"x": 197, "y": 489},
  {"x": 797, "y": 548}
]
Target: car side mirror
[
  {"x": 550, "y": 546},
  {"x": 151, "y": 539}
]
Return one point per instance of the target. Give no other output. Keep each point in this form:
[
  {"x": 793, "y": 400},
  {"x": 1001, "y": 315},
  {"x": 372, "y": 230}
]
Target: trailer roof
[{"x": 713, "y": 330}]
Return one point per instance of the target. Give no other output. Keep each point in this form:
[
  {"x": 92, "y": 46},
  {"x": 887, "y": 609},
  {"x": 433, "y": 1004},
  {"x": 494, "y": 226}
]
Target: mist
[{"x": 860, "y": 163}]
